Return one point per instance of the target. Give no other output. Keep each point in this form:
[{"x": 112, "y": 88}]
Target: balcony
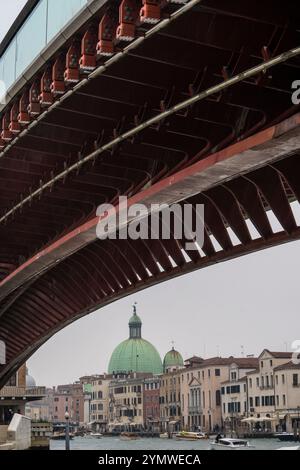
[
  {"x": 195, "y": 410},
  {"x": 22, "y": 392}
]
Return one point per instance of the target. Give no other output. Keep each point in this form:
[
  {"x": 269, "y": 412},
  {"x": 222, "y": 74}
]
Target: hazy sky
[
  {"x": 252, "y": 301},
  {"x": 8, "y": 14}
]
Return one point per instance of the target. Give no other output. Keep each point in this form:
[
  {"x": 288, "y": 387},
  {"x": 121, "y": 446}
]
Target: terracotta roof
[
  {"x": 241, "y": 362},
  {"x": 287, "y": 365},
  {"x": 194, "y": 359},
  {"x": 279, "y": 354}
]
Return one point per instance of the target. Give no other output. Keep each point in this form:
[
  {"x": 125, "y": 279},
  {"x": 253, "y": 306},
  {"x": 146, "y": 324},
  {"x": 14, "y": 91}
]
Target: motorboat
[
  {"x": 94, "y": 435},
  {"x": 164, "y": 435},
  {"x": 191, "y": 435},
  {"x": 289, "y": 448},
  {"x": 230, "y": 444},
  {"x": 286, "y": 436}
]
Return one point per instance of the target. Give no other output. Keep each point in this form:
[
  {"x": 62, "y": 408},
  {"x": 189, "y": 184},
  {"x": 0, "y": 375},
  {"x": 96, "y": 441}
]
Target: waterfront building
[
  {"x": 273, "y": 392},
  {"x": 170, "y": 400},
  {"x": 69, "y": 399},
  {"x": 99, "y": 408},
  {"x": 234, "y": 394},
  {"x": 86, "y": 382},
  {"x": 151, "y": 410},
  {"x": 287, "y": 395},
  {"x": 16, "y": 393},
  {"x": 41, "y": 410},
  {"x": 126, "y": 403},
  {"x": 201, "y": 384}
]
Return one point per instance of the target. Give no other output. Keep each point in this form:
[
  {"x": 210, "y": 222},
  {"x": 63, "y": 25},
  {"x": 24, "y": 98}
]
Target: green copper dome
[
  {"x": 135, "y": 354},
  {"x": 173, "y": 359}
]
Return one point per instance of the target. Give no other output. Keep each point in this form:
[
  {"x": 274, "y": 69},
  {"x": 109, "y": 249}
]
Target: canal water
[{"x": 115, "y": 443}]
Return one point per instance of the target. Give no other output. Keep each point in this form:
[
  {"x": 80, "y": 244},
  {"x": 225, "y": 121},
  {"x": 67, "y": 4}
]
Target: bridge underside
[{"x": 236, "y": 152}]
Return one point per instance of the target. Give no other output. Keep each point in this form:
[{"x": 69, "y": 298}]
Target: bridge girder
[{"x": 94, "y": 90}]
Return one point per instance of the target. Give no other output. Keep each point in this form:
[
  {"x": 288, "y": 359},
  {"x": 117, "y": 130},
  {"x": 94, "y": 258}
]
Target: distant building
[
  {"x": 151, "y": 401},
  {"x": 99, "y": 411},
  {"x": 234, "y": 393},
  {"x": 69, "y": 399},
  {"x": 170, "y": 401},
  {"x": 273, "y": 391},
  {"x": 41, "y": 410},
  {"x": 201, "y": 385},
  {"x": 287, "y": 395},
  {"x": 19, "y": 390},
  {"x": 126, "y": 406}
]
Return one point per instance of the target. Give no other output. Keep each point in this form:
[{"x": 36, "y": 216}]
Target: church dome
[
  {"x": 172, "y": 360},
  {"x": 30, "y": 382},
  {"x": 135, "y": 354}
]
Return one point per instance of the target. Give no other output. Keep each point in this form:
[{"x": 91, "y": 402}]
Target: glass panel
[
  {"x": 8, "y": 65},
  {"x": 59, "y": 13},
  {"x": 31, "y": 38},
  {"x": 45, "y": 21}
]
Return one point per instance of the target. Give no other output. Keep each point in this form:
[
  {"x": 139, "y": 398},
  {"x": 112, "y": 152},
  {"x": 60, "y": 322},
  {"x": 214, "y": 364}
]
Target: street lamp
[{"x": 67, "y": 417}]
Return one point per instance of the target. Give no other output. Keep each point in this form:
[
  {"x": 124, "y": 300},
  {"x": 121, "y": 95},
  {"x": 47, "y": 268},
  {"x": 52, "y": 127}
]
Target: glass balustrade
[{"x": 44, "y": 22}]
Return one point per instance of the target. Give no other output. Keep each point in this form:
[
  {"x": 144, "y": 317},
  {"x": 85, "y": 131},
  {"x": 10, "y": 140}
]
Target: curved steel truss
[{"x": 236, "y": 151}]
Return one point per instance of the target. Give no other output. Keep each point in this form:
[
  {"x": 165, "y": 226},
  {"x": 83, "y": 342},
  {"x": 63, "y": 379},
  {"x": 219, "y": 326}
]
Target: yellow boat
[{"x": 191, "y": 435}]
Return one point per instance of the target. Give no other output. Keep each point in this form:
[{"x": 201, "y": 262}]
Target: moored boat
[
  {"x": 287, "y": 436},
  {"x": 191, "y": 435},
  {"x": 95, "y": 435}
]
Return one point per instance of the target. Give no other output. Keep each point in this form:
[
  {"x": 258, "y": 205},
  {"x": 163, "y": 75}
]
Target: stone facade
[
  {"x": 99, "y": 406},
  {"x": 126, "y": 404},
  {"x": 170, "y": 401},
  {"x": 151, "y": 411}
]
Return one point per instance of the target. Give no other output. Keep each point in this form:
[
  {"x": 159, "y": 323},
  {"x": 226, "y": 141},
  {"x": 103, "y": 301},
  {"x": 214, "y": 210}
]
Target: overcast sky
[
  {"x": 250, "y": 302},
  {"x": 8, "y": 14}
]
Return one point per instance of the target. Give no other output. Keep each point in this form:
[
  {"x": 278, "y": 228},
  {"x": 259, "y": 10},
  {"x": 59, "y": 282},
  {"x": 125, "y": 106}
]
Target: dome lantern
[{"x": 135, "y": 325}]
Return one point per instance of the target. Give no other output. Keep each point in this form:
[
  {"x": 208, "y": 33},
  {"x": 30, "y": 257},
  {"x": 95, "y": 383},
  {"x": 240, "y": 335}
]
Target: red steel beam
[{"x": 252, "y": 153}]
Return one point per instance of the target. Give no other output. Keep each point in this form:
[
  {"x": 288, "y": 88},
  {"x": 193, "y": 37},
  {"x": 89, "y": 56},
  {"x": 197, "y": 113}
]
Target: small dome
[
  {"x": 30, "y": 382},
  {"x": 172, "y": 359}
]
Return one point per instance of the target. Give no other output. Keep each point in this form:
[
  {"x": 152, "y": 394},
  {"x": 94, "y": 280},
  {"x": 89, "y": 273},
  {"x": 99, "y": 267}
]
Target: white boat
[
  {"x": 164, "y": 435},
  {"x": 289, "y": 448},
  {"x": 191, "y": 435},
  {"x": 94, "y": 435},
  {"x": 230, "y": 444}
]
